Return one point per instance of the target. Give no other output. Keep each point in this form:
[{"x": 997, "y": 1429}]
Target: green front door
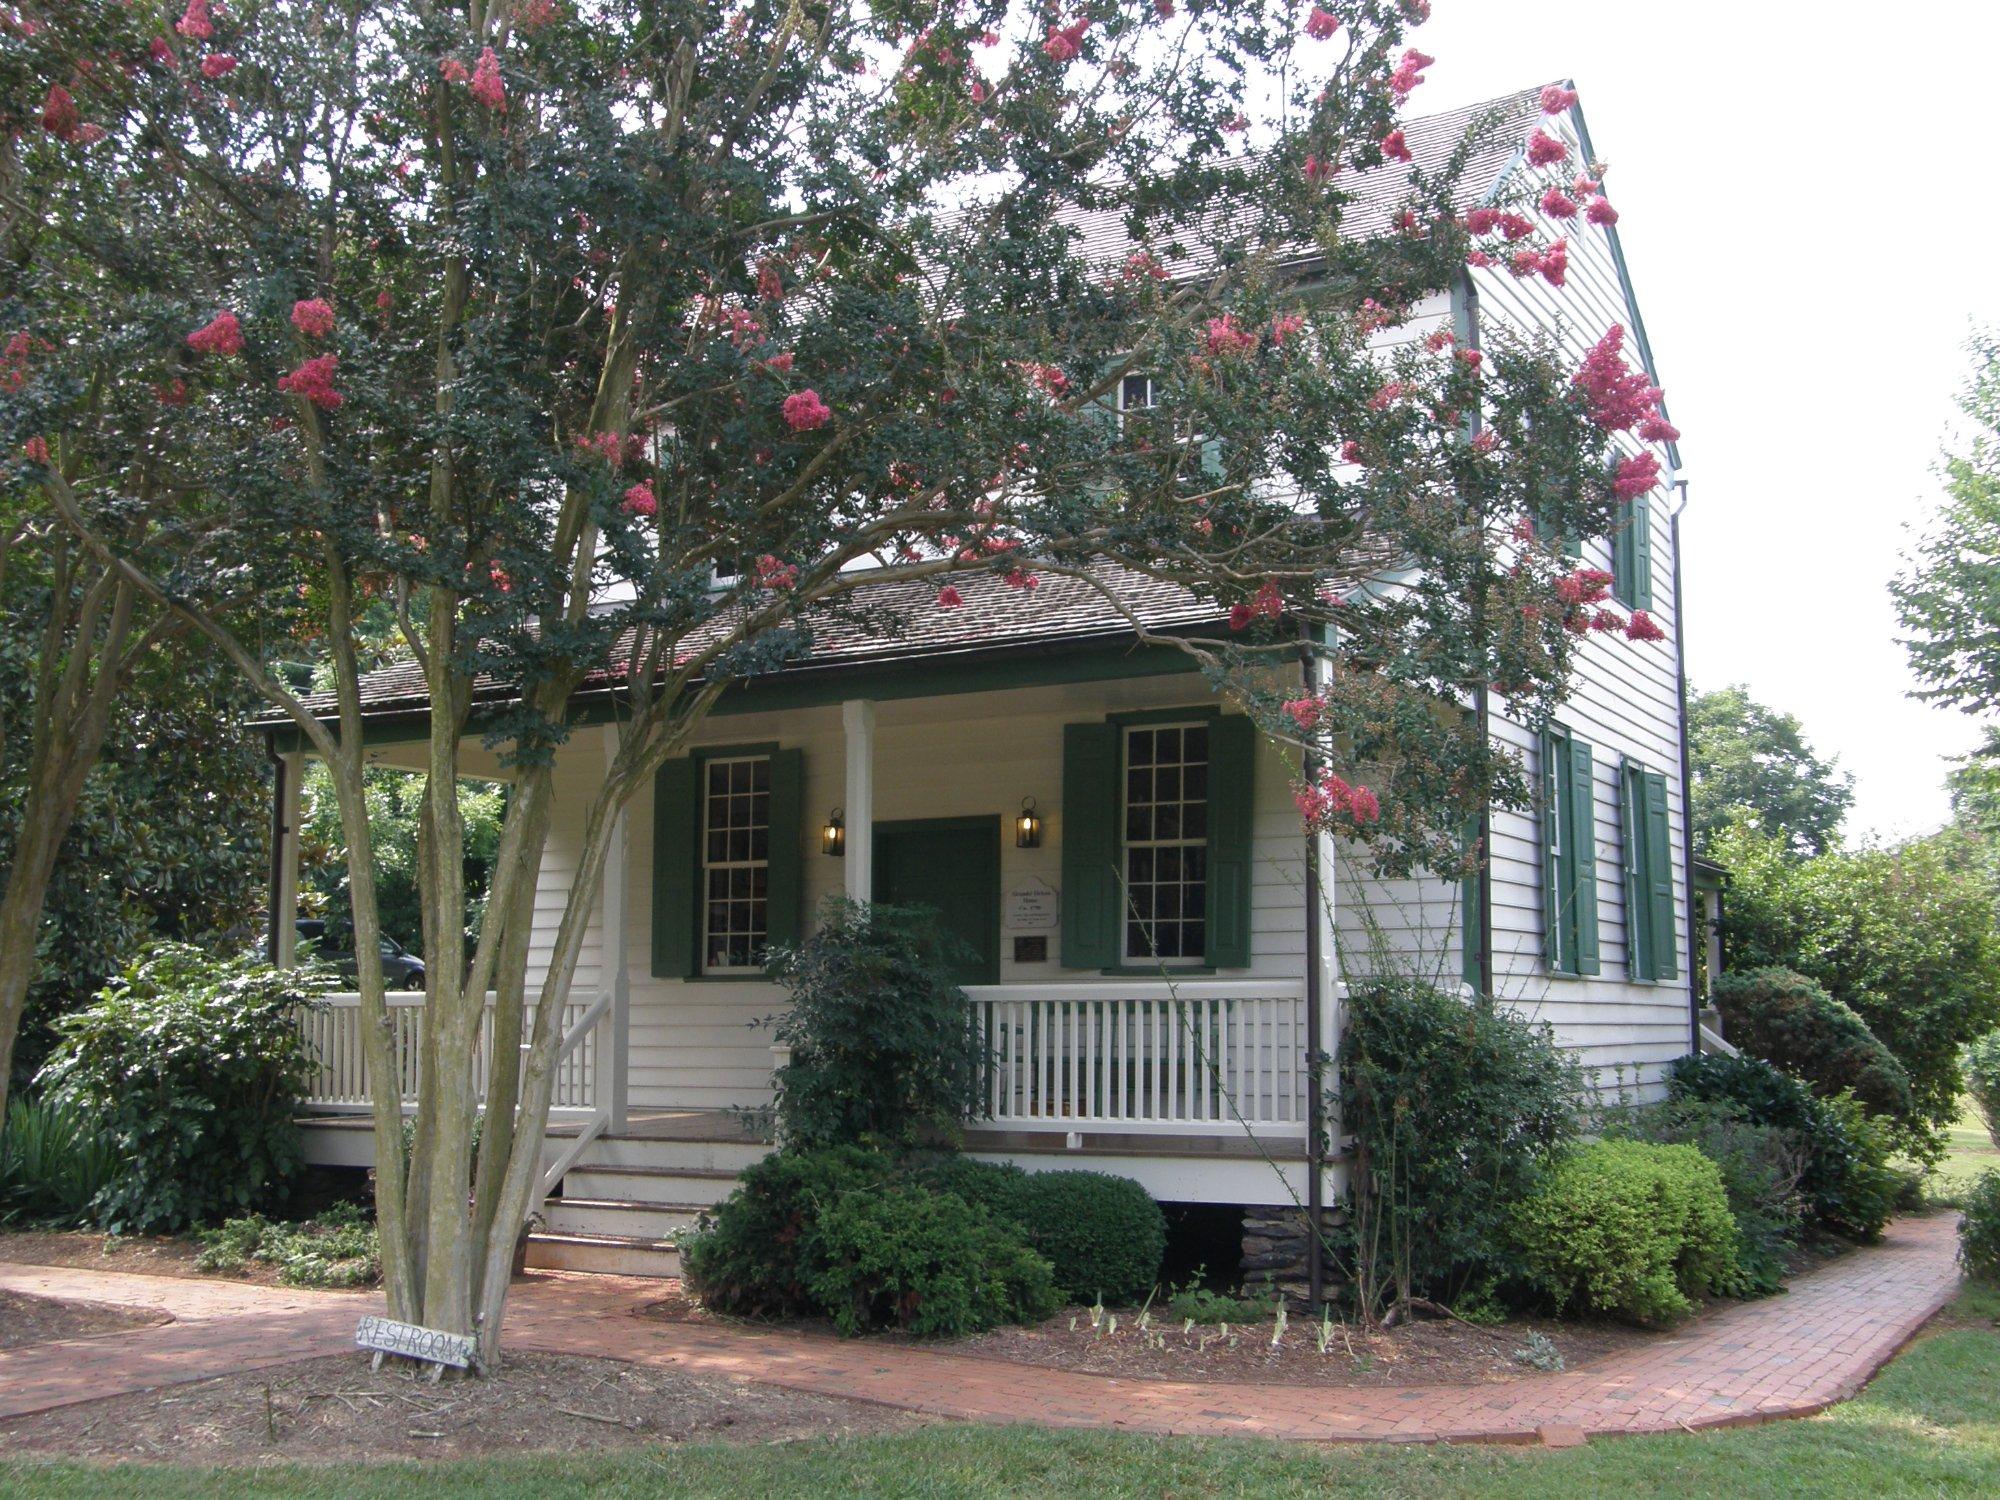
[{"x": 951, "y": 866}]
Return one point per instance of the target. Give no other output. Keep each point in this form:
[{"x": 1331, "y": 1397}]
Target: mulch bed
[
  {"x": 336, "y": 1410},
  {"x": 27, "y": 1319},
  {"x": 1420, "y": 1353}
]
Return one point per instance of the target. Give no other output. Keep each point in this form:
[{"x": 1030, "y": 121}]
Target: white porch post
[
  {"x": 285, "y": 889},
  {"x": 613, "y": 1040},
  {"x": 857, "y": 718}
]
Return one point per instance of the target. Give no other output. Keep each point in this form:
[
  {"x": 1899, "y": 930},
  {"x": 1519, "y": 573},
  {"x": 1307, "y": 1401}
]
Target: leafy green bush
[
  {"x": 1847, "y": 1181},
  {"x": 1905, "y": 934},
  {"x": 54, "y": 1161},
  {"x": 881, "y": 1038},
  {"x": 924, "y": 1261},
  {"x": 1199, "y": 1304},
  {"x": 1979, "y": 1229},
  {"x": 849, "y": 1233},
  {"x": 1982, "y": 1080},
  {"x": 1103, "y": 1234},
  {"x": 338, "y": 1248},
  {"x": 194, "y": 1067},
  {"x": 1788, "y": 1020},
  {"x": 1458, "y": 1112},
  {"x": 1630, "y": 1229},
  {"x": 1760, "y": 1165}
]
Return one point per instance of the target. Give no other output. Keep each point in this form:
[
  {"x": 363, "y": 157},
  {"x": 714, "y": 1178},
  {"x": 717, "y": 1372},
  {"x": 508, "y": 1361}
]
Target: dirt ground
[
  {"x": 1419, "y": 1353},
  {"x": 336, "y": 1410},
  {"x": 28, "y": 1319},
  {"x": 141, "y": 1255}
]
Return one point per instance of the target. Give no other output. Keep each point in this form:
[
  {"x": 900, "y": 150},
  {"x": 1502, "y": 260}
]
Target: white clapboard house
[{"x": 927, "y": 748}]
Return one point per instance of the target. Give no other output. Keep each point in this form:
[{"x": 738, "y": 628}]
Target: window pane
[{"x": 736, "y": 839}]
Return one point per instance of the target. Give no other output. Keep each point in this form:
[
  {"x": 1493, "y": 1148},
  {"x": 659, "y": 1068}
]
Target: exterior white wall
[{"x": 696, "y": 1042}]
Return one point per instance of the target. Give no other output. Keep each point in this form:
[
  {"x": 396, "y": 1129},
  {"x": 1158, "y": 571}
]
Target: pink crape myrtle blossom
[
  {"x": 1657, "y": 429},
  {"x": 486, "y": 85},
  {"x": 1642, "y": 627},
  {"x": 313, "y": 382},
  {"x": 454, "y": 71},
  {"x": 1601, "y": 212},
  {"x": 640, "y": 501},
  {"x": 313, "y": 317},
  {"x": 36, "y": 450},
  {"x": 59, "y": 114},
  {"x": 1556, "y": 99},
  {"x": 1066, "y": 42},
  {"x": 1305, "y": 712},
  {"x": 1318, "y": 170},
  {"x": 1284, "y": 326},
  {"x": 162, "y": 53},
  {"x": 772, "y": 573},
  {"x": 1266, "y": 604},
  {"x": 1394, "y": 146},
  {"x": 217, "y": 65},
  {"x": 1635, "y": 476},
  {"x": 1320, "y": 24},
  {"x": 1619, "y": 396},
  {"x": 949, "y": 598},
  {"x": 1545, "y": 150},
  {"x": 1224, "y": 339},
  {"x": 1558, "y": 205},
  {"x": 1410, "y": 72},
  {"x": 222, "y": 334},
  {"x": 194, "y": 23},
  {"x": 1583, "y": 586},
  {"x": 804, "y": 411},
  {"x": 1333, "y": 800}
]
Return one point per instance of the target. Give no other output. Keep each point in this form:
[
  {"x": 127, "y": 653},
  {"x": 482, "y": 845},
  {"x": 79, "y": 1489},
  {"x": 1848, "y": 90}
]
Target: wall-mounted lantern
[
  {"x": 833, "y": 837},
  {"x": 1027, "y": 826}
]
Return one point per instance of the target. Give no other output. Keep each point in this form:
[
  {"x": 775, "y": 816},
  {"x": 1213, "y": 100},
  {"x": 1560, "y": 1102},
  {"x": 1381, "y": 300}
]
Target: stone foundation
[{"x": 1274, "y": 1251}]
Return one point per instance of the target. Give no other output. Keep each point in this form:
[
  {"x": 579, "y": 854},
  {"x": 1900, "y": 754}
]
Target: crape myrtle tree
[{"x": 532, "y": 320}]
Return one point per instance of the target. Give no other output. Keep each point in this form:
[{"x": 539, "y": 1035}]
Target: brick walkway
[{"x": 1784, "y": 1356}]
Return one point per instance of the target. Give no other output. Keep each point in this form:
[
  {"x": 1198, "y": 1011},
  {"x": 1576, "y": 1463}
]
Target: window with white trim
[
  {"x": 735, "y": 863},
  {"x": 1166, "y": 842}
]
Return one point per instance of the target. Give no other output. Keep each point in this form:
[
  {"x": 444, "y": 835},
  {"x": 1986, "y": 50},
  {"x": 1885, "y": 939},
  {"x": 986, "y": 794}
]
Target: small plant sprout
[
  {"x": 1097, "y": 1313},
  {"x": 1324, "y": 1334},
  {"x": 1187, "y": 1328},
  {"x": 1111, "y": 1325},
  {"x": 1278, "y": 1327},
  {"x": 1540, "y": 1353},
  {"x": 1072, "y": 1322}
]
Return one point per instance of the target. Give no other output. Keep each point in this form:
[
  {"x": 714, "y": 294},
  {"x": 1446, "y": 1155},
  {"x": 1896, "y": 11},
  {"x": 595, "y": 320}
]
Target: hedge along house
[{"x": 1154, "y": 946}]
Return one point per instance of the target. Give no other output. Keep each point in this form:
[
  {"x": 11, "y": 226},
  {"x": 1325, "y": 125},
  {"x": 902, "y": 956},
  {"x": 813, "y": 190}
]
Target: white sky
[{"x": 1807, "y": 206}]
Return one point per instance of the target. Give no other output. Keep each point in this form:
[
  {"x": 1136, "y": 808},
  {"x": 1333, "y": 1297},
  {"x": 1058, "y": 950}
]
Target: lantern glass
[
  {"x": 833, "y": 837},
  {"x": 1027, "y": 826}
]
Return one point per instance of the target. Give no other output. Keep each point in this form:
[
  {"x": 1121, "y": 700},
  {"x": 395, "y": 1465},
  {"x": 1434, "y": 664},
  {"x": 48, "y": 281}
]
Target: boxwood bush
[
  {"x": 194, "y": 1067},
  {"x": 1847, "y": 1181},
  {"x": 851, "y": 1234},
  {"x": 1629, "y": 1229},
  {"x": 1979, "y": 1229},
  {"x": 1787, "y": 1019}
]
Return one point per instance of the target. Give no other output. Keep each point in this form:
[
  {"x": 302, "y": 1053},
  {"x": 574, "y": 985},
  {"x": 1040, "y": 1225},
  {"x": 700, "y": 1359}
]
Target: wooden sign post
[{"x": 383, "y": 1336}]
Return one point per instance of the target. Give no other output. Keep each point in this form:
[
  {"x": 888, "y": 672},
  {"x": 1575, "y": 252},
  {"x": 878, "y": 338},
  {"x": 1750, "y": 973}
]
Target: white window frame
[
  {"x": 707, "y": 903},
  {"x": 1126, "y": 844}
]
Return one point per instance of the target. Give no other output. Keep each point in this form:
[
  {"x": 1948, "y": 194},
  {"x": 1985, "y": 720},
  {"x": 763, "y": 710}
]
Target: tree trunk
[{"x": 44, "y": 824}]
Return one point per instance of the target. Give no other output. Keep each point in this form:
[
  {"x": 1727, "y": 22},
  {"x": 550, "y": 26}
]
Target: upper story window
[
  {"x": 1135, "y": 393},
  {"x": 735, "y": 863},
  {"x": 1166, "y": 842}
]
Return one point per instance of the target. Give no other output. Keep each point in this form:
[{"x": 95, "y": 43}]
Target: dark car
[{"x": 400, "y": 970}]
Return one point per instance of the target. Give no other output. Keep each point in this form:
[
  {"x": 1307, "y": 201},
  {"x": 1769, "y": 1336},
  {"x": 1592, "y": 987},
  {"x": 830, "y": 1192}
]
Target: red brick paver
[{"x": 1785, "y": 1356}]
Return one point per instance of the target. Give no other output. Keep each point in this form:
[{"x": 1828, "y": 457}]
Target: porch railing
[
  {"x": 1201, "y": 1057},
  {"x": 341, "y": 1083}
]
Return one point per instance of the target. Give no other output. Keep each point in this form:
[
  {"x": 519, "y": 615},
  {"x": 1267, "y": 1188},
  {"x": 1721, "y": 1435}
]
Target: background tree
[
  {"x": 1906, "y": 935},
  {"x": 1753, "y": 764},
  {"x": 1948, "y": 594},
  {"x": 529, "y": 321},
  {"x": 170, "y": 838}
]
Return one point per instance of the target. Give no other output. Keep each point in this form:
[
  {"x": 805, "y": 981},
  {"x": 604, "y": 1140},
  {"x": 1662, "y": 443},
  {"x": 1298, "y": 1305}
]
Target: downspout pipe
[
  {"x": 1315, "y": 1042},
  {"x": 275, "y": 885},
  {"x": 1687, "y": 767}
]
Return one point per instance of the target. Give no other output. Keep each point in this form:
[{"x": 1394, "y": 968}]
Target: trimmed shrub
[
  {"x": 1982, "y": 1080},
  {"x": 755, "y": 1254},
  {"x": 1787, "y": 1019},
  {"x": 1847, "y": 1181},
  {"x": 1104, "y": 1235},
  {"x": 882, "y": 1043},
  {"x": 924, "y": 1261},
  {"x": 54, "y": 1161},
  {"x": 1979, "y": 1229},
  {"x": 194, "y": 1068},
  {"x": 1629, "y": 1229},
  {"x": 1458, "y": 1112},
  {"x": 336, "y": 1249},
  {"x": 1760, "y": 1167}
]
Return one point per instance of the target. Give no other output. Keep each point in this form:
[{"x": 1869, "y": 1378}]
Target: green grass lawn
[
  {"x": 1929, "y": 1426},
  {"x": 1971, "y": 1152}
]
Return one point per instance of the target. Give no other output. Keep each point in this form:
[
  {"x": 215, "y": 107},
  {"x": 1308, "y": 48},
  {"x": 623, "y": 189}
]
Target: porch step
[
  {"x": 620, "y": 1218},
  {"x": 652, "y": 1153},
  {"x": 694, "y": 1187},
  {"x": 604, "y": 1254}
]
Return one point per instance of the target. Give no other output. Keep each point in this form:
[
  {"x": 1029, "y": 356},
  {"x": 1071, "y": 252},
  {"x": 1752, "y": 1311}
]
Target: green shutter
[
  {"x": 1632, "y": 850},
  {"x": 784, "y": 880},
  {"x": 1632, "y": 557},
  {"x": 1660, "y": 877},
  {"x": 1469, "y": 923},
  {"x": 676, "y": 830},
  {"x": 1554, "y": 747},
  {"x": 1232, "y": 759},
  {"x": 1583, "y": 855},
  {"x": 1090, "y": 846}
]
